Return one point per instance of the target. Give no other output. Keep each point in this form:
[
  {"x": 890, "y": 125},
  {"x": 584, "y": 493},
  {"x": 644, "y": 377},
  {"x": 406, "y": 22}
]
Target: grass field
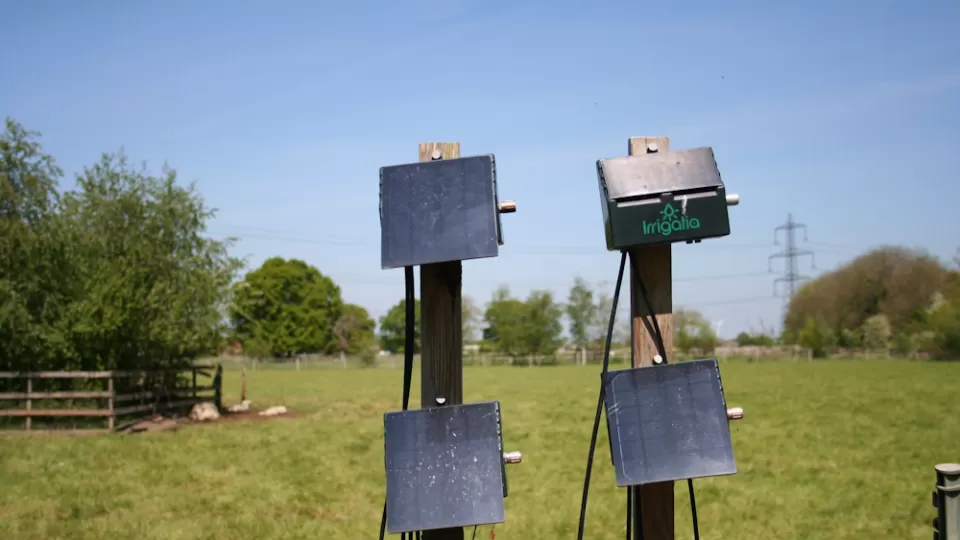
[{"x": 827, "y": 450}]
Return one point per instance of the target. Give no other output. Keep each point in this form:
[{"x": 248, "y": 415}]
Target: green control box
[{"x": 662, "y": 198}]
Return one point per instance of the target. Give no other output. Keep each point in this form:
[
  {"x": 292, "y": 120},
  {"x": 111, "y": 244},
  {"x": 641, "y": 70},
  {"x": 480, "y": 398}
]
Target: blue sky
[{"x": 846, "y": 114}]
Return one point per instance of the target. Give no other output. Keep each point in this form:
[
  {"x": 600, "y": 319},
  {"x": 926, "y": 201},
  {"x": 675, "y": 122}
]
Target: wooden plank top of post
[
  {"x": 654, "y": 265},
  {"x": 441, "y": 330}
]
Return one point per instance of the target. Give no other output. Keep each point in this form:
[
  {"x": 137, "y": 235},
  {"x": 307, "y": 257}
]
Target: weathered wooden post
[
  {"x": 111, "y": 390},
  {"x": 665, "y": 422},
  {"x": 243, "y": 384},
  {"x": 946, "y": 499},
  {"x": 436, "y": 213},
  {"x": 218, "y": 387},
  {"x": 653, "y": 264},
  {"x": 29, "y": 403}
]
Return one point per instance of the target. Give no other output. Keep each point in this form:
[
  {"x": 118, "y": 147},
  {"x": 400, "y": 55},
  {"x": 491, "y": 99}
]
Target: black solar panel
[
  {"x": 444, "y": 467},
  {"x": 668, "y": 423}
]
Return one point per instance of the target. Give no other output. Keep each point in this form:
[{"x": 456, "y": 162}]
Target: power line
[
  {"x": 791, "y": 275},
  {"x": 746, "y": 300},
  {"x": 331, "y": 240}
]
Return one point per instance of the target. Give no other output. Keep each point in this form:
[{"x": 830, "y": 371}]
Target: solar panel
[
  {"x": 668, "y": 423},
  {"x": 444, "y": 467}
]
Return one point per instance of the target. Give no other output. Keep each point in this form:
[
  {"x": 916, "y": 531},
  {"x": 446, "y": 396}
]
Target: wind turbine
[{"x": 718, "y": 325}]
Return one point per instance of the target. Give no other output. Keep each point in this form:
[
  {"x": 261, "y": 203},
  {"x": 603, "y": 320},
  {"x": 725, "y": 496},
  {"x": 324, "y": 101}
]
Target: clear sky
[{"x": 844, "y": 113}]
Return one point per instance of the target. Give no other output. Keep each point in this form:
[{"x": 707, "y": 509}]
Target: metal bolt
[
  {"x": 657, "y": 359},
  {"x": 437, "y": 154},
  {"x": 652, "y": 148},
  {"x": 440, "y": 400},
  {"x": 734, "y": 413},
  {"x": 733, "y": 199},
  {"x": 512, "y": 457},
  {"x": 508, "y": 207}
]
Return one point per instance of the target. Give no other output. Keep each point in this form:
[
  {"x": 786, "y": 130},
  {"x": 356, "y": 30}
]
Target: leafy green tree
[
  {"x": 114, "y": 274},
  {"x": 894, "y": 281},
  {"x": 758, "y": 339},
  {"x": 505, "y": 317},
  {"x": 941, "y": 320},
  {"x": 691, "y": 331},
  {"x": 817, "y": 336},
  {"x": 581, "y": 311},
  {"x": 154, "y": 284},
  {"x": 542, "y": 323},
  {"x": 353, "y": 331},
  {"x": 36, "y": 279},
  {"x": 876, "y": 333},
  {"x": 393, "y": 328},
  {"x": 287, "y": 305},
  {"x": 519, "y": 328}
]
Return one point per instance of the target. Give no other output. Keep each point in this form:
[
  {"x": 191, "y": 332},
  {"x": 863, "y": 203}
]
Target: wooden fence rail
[{"x": 116, "y": 404}]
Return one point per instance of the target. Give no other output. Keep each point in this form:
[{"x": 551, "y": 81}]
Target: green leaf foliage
[
  {"x": 889, "y": 297},
  {"x": 286, "y": 307},
  {"x": 113, "y": 274},
  {"x": 518, "y": 328},
  {"x": 691, "y": 331},
  {"x": 353, "y": 331},
  {"x": 393, "y": 328}
]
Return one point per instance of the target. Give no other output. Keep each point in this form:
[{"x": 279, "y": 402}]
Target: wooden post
[
  {"x": 194, "y": 373},
  {"x": 218, "y": 387},
  {"x": 29, "y": 404},
  {"x": 653, "y": 263},
  {"x": 243, "y": 384},
  {"x": 111, "y": 420},
  {"x": 441, "y": 329}
]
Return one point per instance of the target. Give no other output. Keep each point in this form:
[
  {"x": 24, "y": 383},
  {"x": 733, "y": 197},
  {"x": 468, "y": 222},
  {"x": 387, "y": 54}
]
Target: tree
[
  {"x": 876, "y": 333},
  {"x": 505, "y": 323},
  {"x": 818, "y": 336},
  {"x": 542, "y": 323},
  {"x": 757, "y": 339},
  {"x": 35, "y": 270},
  {"x": 154, "y": 285},
  {"x": 393, "y": 328},
  {"x": 581, "y": 313},
  {"x": 353, "y": 331},
  {"x": 894, "y": 281},
  {"x": 294, "y": 306},
  {"x": 518, "y": 328},
  {"x": 114, "y": 274},
  {"x": 691, "y": 331}
]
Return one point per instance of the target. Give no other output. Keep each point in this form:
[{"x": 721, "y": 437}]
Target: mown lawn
[{"x": 827, "y": 450}]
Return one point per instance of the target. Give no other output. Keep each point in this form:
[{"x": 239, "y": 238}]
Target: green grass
[{"x": 827, "y": 450}]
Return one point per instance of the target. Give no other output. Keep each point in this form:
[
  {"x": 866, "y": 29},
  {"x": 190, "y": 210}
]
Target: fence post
[
  {"x": 218, "y": 387},
  {"x": 947, "y": 501},
  {"x": 243, "y": 383},
  {"x": 194, "y": 370},
  {"x": 29, "y": 400},
  {"x": 111, "y": 420}
]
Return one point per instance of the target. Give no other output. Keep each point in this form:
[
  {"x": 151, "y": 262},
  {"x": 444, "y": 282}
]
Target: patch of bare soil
[{"x": 175, "y": 422}]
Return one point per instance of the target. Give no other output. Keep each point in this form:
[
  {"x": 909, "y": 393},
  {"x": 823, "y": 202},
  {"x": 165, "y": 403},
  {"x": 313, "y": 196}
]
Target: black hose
[
  {"x": 409, "y": 338},
  {"x": 410, "y": 305},
  {"x": 629, "y": 511},
  {"x": 693, "y": 509},
  {"x": 596, "y": 420}
]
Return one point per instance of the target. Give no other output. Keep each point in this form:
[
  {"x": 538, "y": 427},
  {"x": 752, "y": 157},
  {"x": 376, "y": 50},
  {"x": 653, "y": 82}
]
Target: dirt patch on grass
[{"x": 173, "y": 423}]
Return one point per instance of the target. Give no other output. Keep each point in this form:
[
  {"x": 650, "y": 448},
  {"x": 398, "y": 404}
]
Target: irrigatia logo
[{"x": 669, "y": 222}]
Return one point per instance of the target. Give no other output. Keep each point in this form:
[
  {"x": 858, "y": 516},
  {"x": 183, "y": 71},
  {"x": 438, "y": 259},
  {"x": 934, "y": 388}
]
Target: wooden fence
[{"x": 123, "y": 396}]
